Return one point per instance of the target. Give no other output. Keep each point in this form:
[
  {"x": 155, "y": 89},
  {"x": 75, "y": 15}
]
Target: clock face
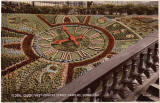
[{"x": 70, "y": 43}]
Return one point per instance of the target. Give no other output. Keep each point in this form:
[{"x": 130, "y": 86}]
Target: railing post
[
  {"x": 149, "y": 70},
  {"x": 155, "y": 58},
  {"x": 141, "y": 69},
  {"x": 115, "y": 88},
  {"x": 75, "y": 99},
  {"x": 89, "y": 91},
  {"x": 115, "y": 82},
  {"x": 92, "y": 89},
  {"x": 125, "y": 81},
  {"x": 104, "y": 89},
  {"x": 133, "y": 75}
]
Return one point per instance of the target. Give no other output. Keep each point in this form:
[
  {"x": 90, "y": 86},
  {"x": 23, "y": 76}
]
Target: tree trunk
[{"x": 33, "y": 3}]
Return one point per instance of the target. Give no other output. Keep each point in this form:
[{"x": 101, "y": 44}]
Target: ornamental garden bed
[
  {"x": 56, "y": 49},
  {"x": 143, "y": 25}
]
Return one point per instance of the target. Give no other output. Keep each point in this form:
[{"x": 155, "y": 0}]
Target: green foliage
[
  {"x": 23, "y": 8},
  {"x": 81, "y": 10},
  {"x": 110, "y": 8},
  {"x": 65, "y": 9},
  {"x": 92, "y": 9},
  {"x": 100, "y": 9},
  {"x": 129, "y": 9}
]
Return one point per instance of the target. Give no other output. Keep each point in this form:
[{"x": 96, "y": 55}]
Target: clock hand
[
  {"x": 71, "y": 37},
  {"x": 65, "y": 40},
  {"x": 60, "y": 41},
  {"x": 80, "y": 37}
]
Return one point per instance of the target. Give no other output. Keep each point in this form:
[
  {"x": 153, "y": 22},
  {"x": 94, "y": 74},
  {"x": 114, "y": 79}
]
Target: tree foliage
[{"x": 91, "y": 8}]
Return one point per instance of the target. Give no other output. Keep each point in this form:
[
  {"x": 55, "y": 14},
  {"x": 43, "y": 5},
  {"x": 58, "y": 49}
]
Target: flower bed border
[{"x": 27, "y": 49}]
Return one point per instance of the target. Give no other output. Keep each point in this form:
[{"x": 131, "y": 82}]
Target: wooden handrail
[{"x": 101, "y": 70}]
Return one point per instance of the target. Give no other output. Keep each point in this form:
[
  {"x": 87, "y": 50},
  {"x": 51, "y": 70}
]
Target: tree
[
  {"x": 129, "y": 9},
  {"x": 81, "y": 10},
  {"x": 45, "y": 9},
  {"x": 150, "y": 10},
  {"x": 109, "y": 8},
  {"x": 93, "y": 9},
  {"x": 101, "y": 9},
  {"x": 65, "y": 9},
  {"x": 89, "y": 3},
  {"x": 120, "y": 9},
  {"x": 155, "y": 8},
  {"x": 53, "y": 10},
  {"x": 33, "y": 3},
  {"x": 140, "y": 9}
]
